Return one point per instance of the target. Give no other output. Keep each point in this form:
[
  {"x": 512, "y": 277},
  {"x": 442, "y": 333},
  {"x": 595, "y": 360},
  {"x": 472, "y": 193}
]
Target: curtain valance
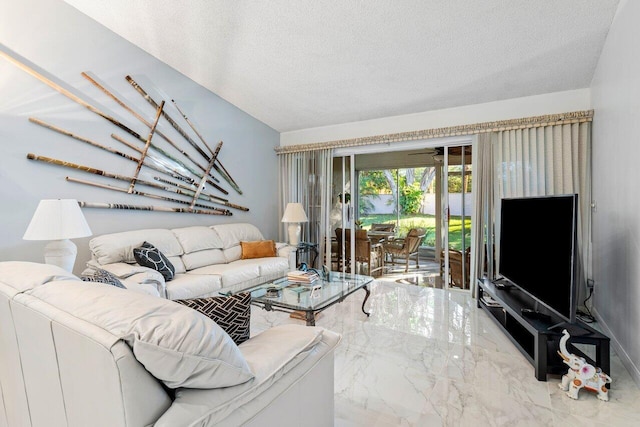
[{"x": 471, "y": 129}]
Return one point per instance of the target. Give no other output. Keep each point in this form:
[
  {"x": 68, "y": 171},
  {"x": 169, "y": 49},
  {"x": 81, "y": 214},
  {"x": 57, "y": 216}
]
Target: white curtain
[
  {"x": 305, "y": 177},
  {"x": 483, "y": 212},
  {"x": 543, "y": 161}
]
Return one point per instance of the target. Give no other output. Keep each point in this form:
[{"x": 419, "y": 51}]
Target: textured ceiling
[{"x": 302, "y": 64}]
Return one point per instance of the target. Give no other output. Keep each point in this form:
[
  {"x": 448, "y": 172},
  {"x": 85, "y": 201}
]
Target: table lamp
[
  {"x": 58, "y": 220},
  {"x": 294, "y": 215}
]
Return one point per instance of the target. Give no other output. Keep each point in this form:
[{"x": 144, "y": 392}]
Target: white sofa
[
  {"x": 207, "y": 259},
  {"x": 77, "y": 353}
]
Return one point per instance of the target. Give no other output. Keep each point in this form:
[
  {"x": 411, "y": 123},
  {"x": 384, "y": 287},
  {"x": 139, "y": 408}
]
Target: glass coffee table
[{"x": 304, "y": 299}]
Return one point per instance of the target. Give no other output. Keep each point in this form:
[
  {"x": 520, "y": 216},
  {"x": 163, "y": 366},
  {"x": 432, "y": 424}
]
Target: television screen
[{"x": 538, "y": 249}]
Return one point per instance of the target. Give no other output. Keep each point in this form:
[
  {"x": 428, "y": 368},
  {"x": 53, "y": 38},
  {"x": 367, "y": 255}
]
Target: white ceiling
[{"x": 302, "y": 64}]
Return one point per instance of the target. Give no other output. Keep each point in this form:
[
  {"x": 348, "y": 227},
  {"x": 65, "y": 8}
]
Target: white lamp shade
[
  {"x": 294, "y": 213},
  {"x": 57, "y": 219}
]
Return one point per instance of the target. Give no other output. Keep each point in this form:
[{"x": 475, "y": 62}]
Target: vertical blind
[{"x": 542, "y": 161}]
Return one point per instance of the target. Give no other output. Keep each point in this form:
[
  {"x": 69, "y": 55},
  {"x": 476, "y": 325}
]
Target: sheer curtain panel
[{"x": 305, "y": 177}]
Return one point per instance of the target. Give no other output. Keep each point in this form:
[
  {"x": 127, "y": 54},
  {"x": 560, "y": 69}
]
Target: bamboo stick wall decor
[{"x": 182, "y": 176}]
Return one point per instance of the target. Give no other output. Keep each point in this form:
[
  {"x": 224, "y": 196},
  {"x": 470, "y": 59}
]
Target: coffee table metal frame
[{"x": 293, "y": 297}]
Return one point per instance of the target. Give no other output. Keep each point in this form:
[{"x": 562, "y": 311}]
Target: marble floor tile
[{"x": 429, "y": 357}]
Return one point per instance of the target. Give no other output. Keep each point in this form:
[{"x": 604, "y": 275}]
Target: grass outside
[{"x": 428, "y": 222}]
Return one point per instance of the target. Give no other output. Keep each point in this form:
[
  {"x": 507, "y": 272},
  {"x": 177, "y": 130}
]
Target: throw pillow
[
  {"x": 258, "y": 249},
  {"x": 104, "y": 276},
  {"x": 231, "y": 313},
  {"x": 148, "y": 255}
]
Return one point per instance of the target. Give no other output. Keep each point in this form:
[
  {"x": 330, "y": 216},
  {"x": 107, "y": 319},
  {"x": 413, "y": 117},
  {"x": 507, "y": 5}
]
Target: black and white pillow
[
  {"x": 148, "y": 255},
  {"x": 231, "y": 313},
  {"x": 104, "y": 276}
]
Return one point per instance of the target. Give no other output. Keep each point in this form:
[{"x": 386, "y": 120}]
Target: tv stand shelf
[{"x": 537, "y": 333}]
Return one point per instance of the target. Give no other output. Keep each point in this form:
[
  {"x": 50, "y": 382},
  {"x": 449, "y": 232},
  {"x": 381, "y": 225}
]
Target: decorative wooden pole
[
  {"x": 179, "y": 129},
  {"x": 146, "y": 148},
  {"x": 65, "y": 92},
  {"x": 150, "y": 195},
  {"x": 155, "y": 165},
  {"x": 211, "y": 198},
  {"x": 148, "y": 124},
  {"x": 211, "y": 162},
  {"x": 224, "y": 173},
  {"x": 176, "y": 188},
  {"x": 142, "y": 208},
  {"x": 133, "y": 147}
]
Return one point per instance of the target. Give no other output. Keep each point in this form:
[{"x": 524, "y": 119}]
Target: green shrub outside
[{"x": 410, "y": 198}]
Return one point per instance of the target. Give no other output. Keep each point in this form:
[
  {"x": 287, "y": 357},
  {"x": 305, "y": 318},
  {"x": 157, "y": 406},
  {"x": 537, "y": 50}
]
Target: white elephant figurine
[{"x": 581, "y": 374}]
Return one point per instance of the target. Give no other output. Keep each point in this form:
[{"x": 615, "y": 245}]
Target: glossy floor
[{"x": 430, "y": 357}]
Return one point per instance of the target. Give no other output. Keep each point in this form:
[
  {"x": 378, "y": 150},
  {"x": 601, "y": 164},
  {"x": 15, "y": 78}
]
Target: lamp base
[
  {"x": 61, "y": 253},
  {"x": 294, "y": 233}
]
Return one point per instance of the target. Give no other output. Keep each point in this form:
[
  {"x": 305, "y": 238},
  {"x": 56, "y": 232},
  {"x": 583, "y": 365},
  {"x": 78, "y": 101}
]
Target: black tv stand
[
  {"x": 534, "y": 314},
  {"x": 503, "y": 285},
  {"x": 574, "y": 329},
  {"x": 537, "y": 333}
]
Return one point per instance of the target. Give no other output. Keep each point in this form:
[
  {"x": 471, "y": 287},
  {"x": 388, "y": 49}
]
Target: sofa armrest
[
  {"x": 283, "y": 249},
  {"x": 134, "y": 276}
]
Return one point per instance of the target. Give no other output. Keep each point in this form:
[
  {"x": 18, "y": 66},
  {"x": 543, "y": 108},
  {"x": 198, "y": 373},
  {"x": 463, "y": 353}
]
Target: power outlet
[{"x": 590, "y": 283}]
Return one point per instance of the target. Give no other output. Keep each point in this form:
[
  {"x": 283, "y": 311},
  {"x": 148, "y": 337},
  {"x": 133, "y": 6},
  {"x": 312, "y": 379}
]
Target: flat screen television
[{"x": 538, "y": 249}]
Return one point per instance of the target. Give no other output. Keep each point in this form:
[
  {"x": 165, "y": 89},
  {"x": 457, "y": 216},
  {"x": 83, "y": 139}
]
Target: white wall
[
  {"x": 616, "y": 177},
  {"x": 54, "y": 36},
  {"x": 383, "y": 204},
  {"x": 558, "y": 102}
]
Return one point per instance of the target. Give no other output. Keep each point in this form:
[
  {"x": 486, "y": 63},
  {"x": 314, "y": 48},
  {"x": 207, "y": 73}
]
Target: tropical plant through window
[{"x": 414, "y": 190}]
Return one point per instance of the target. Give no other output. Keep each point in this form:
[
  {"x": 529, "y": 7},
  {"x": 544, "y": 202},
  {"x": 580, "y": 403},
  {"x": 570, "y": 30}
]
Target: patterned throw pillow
[
  {"x": 231, "y": 313},
  {"x": 148, "y": 255},
  {"x": 104, "y": 276}
]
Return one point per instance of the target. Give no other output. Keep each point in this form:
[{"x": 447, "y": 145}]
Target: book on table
[{"x": 303, "y": 277}]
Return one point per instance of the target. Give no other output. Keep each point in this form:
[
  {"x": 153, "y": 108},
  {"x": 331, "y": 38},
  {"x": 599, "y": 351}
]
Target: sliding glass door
[
  {"x": 342, "y": 216},
  {"x": 456, "y": 207}
]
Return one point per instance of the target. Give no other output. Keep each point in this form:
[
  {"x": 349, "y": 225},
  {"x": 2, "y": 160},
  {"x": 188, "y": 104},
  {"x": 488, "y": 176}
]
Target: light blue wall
[
  {"x": 62, "y": 42},
  {"x": 616, "y": 177}
]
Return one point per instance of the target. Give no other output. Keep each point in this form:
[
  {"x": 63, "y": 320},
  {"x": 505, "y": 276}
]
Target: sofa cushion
[
  {"x": 258, "y": 249},
  {"x": 232, "y": 273},
  {"x": 118, "y": 247},
  {"x": 232, "y": 313},
  {"x": 274, "y": 353},
  {"x": 232, "y": 234},
  {"x": 175, "y": 344},
  {"x": 272, "y": 266},
  {"x": 233, "y": 253},
  {"x": 197, "y": 238},
  {"x": 274, "y": 348},
  {"x": 201, "y": 258},
  {"x": 103, "y": 276},
  {"x": 177, "y": 264},
  {"x": 148, "y": 255},
  {"x": 194, "y": 286}
]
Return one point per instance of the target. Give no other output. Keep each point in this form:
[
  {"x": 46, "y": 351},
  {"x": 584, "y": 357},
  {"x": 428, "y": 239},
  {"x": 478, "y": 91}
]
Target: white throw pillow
[{"x": 176, "y": 344}]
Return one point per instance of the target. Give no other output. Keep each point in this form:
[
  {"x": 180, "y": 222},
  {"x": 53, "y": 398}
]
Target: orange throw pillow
[{"x": 258, "y": 249}]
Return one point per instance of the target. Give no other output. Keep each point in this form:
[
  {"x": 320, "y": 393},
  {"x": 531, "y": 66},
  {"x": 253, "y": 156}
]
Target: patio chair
[
  {"x": 405, "y": 248},
  {"x": 456, "y": 278},
  {"x": 380, "y": 232},
  {"x": 369, "y": 256}
]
